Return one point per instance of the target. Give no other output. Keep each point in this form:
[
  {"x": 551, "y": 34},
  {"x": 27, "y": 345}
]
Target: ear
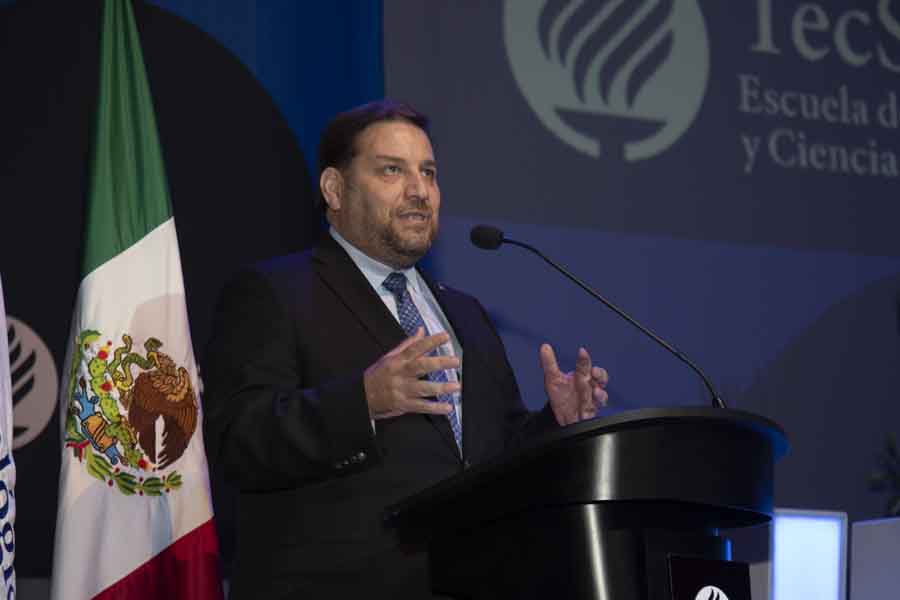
[{"x": 331, "y": 182}]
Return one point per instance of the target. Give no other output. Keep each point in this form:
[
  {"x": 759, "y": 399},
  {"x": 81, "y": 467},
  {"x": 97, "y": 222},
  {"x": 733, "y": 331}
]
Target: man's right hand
[{"x": 393, "y": 385}]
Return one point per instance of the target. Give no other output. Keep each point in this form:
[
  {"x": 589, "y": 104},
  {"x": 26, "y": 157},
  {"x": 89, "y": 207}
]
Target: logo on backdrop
[
  {"x": 34, "y": 382},
  {"x": 618, "y": 80},
  {"x": 711, "y": 592}
]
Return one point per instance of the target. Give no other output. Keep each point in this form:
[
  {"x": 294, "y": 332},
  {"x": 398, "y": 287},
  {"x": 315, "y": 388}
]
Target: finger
[
  {"x": 583, "y": 364},
  {"x": 548, "y": 361},
  {"x": 599, "y": 376},
  {"x": 424, "y": 345},
  {"x": 601, "y": 397},
  {"x": 429, "y": 364},
  {"x": 431, "y": 389},
  {"x": 405, "y": 344},
  {"x": 587, "y": 412},
  {"x": 387, "y": 415},
  {"x": 428, "y": 407}
]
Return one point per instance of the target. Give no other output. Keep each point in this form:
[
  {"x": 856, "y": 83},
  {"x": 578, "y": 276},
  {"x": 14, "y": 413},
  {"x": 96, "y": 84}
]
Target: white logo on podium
[
  {"x": 710, "y": 592},
  {"x": 616, "y": 79}
]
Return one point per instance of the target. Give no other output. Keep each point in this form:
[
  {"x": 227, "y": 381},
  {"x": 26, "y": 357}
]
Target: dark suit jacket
[{"x": 287, "y": 420}]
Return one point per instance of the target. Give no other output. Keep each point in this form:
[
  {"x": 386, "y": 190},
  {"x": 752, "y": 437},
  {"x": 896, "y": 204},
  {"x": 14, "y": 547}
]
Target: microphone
[{"x": 487, "y": 237}]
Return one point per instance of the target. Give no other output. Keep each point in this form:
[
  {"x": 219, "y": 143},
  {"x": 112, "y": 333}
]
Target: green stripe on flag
[{"x": 128, "y": 195}]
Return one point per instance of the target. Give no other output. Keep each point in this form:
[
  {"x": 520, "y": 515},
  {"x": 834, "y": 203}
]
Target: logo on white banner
[
  {"x": 34, "y": 382},
  {"x": 615, "y": 79}
]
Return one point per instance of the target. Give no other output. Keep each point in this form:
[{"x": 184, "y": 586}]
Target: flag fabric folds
[
  {"x": 135, "y": 516},
  {"x": 7, "y": 467}
]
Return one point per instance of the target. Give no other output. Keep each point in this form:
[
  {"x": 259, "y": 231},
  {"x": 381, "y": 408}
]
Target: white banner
[{"x": 7, "y": 467}]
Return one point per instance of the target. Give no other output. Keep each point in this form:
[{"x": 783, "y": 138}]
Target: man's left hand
[{"x": 577, "y": 395}]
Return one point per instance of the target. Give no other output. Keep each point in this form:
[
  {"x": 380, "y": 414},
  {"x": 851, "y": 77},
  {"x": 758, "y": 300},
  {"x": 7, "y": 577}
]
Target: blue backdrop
[
  {"x": 725, "y": 170},
  {"x": 314, "y": 59}
]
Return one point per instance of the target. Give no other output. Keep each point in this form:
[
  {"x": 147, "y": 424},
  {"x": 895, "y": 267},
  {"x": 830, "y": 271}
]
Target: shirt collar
[{"x": 375, "y": 271}]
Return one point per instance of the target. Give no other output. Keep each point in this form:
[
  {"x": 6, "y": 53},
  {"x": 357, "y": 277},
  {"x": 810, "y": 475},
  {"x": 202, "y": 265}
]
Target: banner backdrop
[{"x": 727, "y": 171}]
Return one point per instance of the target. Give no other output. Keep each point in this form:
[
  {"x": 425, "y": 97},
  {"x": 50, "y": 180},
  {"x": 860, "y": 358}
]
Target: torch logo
[
  {"x": 616, "y": 79},
  {"x": 34, "y": 382}
]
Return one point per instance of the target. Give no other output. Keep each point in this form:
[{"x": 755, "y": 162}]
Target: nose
[{"x": 417, "y": 186}]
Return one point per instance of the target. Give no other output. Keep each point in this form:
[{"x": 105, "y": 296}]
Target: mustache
[{"x": 415, "y": 205}]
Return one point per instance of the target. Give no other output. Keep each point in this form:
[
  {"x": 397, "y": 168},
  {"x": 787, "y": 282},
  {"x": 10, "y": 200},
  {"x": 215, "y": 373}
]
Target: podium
[{"x": 598, "y": 510}]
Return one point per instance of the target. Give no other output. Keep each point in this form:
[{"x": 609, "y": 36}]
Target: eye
[
  {"x": 391, "y": 170},
  {"x": 430, "y": 172}
]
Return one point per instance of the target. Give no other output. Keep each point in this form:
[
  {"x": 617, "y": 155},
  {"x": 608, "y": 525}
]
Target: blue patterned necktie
[{"x": 411, "y": 320}]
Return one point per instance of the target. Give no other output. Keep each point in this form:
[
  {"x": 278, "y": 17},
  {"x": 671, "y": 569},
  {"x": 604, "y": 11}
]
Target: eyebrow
[{"x": 425, "y": 163}]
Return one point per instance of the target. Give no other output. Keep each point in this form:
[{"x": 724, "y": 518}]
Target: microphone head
[{"x": 486, "y": 237}]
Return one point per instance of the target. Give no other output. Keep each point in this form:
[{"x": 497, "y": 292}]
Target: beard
[
  {"x": 406, "y": 246},
  {"x": 393, "y": 239}
]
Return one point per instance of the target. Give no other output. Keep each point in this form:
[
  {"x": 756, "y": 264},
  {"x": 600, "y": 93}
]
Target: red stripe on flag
[{"x": 189, "y": 568}]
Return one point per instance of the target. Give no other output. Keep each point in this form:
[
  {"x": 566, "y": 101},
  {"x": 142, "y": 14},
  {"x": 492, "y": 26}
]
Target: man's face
[{"x": 387, "y": 200}]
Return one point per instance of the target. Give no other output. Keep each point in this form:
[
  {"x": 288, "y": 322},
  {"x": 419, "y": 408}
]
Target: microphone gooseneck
[{"x": 487, "y": 237}]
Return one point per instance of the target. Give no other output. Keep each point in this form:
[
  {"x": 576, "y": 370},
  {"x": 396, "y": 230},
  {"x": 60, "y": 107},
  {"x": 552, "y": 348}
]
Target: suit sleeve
[
  {"x": 521, "y": 424},
  {"x": 263, "y": 426}
]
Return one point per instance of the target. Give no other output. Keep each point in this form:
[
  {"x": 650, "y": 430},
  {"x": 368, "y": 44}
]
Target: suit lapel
[{"x": 340, "y": 273}]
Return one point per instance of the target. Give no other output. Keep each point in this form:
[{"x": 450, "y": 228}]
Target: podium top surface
[
  {"x": 708, "y": 415},
  {"x": 710, "y": 466}
]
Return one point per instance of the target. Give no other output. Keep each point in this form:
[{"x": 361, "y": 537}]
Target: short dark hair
[{"x": 337, "y": 146}]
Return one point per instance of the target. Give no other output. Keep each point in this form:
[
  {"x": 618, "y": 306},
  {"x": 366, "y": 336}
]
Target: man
[{"x": 342, "y": 380}]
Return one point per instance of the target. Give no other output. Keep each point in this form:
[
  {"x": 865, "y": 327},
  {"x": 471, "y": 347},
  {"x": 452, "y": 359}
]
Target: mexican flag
[
  {"x": 135, "y": 517},
  {"x": 7, "y": 467}
]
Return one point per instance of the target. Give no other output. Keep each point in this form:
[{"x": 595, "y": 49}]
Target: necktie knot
[{"x": 395, "y": 283}]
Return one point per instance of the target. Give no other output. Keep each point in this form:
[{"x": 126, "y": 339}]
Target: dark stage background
[
  {"x": 664, "y": 155},
  {"x": 237, "y": 118}
]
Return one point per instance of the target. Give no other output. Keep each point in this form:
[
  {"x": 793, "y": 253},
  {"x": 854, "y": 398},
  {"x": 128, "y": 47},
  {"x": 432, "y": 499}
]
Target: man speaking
[{"x": 342, "y": 380}]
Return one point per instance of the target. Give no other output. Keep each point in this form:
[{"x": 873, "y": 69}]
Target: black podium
[{"x": 598, "y": 510}]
